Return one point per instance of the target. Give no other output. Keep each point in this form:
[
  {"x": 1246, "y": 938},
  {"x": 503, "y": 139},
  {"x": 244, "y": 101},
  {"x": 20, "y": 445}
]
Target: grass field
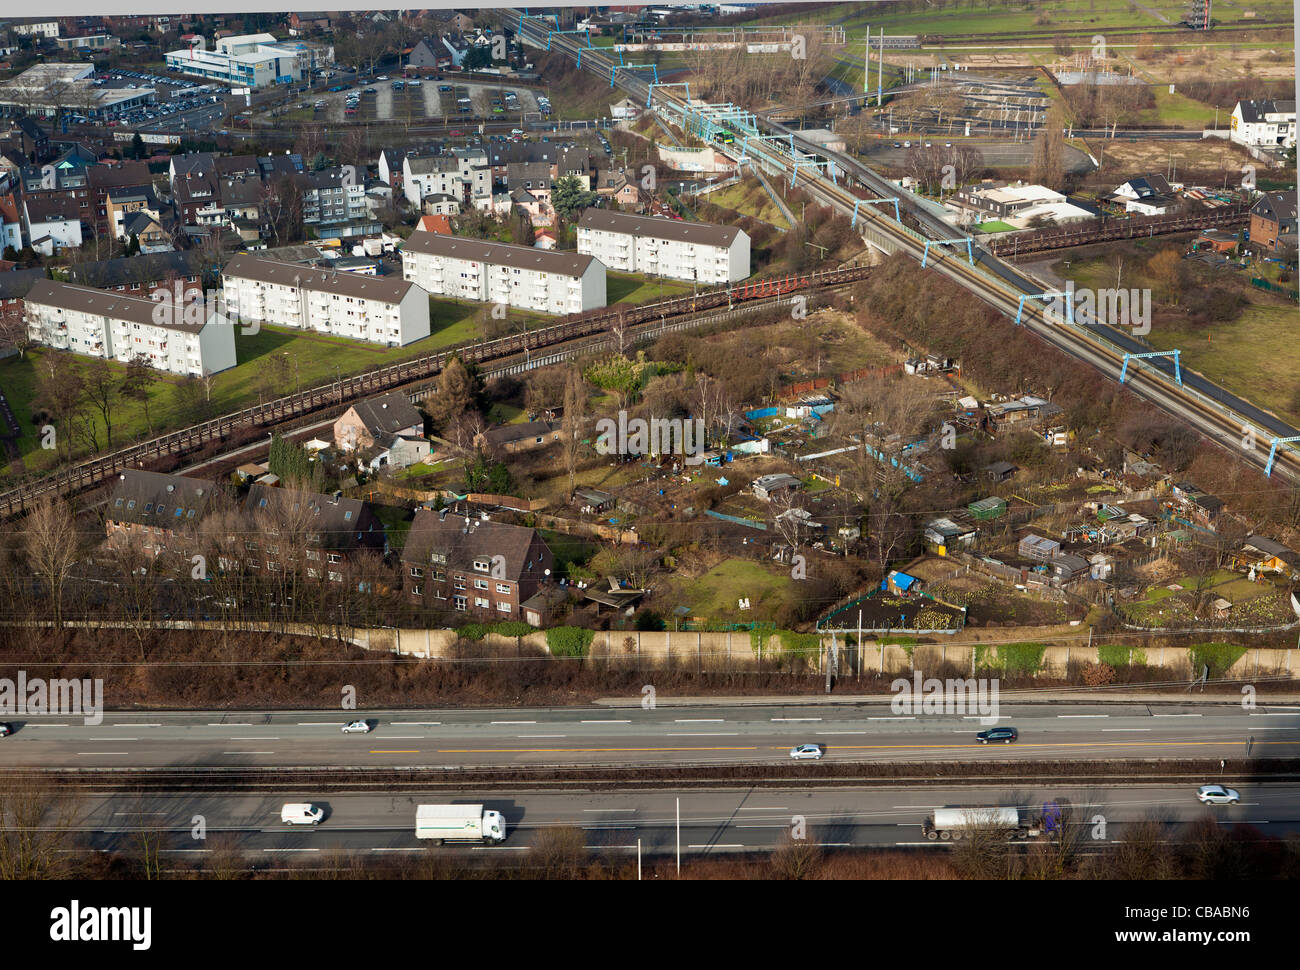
[
  {"x": 743, "y": 198},
  {"x": 716, "y": 594},
  {"x": 1255, "y": 356},
  {"x": 634, "y": 288}
]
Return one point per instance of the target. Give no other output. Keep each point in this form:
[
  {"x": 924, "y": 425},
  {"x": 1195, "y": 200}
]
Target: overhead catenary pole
[
  {"x": 679, "y": 838},
  {"x": 866, "y": 67},
  {"x": 880, "y": 70}
]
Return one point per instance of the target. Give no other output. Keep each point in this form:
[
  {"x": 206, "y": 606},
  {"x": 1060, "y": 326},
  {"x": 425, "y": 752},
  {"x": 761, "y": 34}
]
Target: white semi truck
[
  {"x": 459, "y": 823},
  {"x": 951, "y": 824}
]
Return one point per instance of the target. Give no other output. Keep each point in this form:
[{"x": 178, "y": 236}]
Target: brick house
[
  {"x": 511, "y": 438},
  {"x": 1273, "y": 220},
  {"x": 453, "y": 561}
]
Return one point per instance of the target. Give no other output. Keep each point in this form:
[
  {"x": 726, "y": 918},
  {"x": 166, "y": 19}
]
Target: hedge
[
  {"x": 1219, "y": 656},
  {"x": 1118, "y": 655},
  {"x": 569, "y": 641}
]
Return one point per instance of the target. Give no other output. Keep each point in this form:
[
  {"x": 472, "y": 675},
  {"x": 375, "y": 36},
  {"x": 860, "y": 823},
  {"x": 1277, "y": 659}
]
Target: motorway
[
  {"x": 630, "y": 737},
  {"x": 712, "y": 821}
]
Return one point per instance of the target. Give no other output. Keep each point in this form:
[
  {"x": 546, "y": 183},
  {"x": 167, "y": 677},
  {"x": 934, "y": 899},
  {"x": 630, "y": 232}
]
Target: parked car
[
  {"x": 807, "y": 751},
  {"x": 1004, "y": 734},
  {"x": 1217, "y": 795},
  {"x": 357, "y": 727}
]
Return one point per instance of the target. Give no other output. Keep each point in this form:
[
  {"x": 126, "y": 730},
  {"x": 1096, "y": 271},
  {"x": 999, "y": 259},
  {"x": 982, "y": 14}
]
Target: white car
[
  {"x": 805, "y": 751},
  {"x": 1217, "y": 795},
  {"x": 357, "y": 727}
]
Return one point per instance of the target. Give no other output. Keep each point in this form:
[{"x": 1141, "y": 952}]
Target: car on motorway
[
  {"x": 301, "y": 813},
  {"x": 1004, "y": 734},
  {"x": 947, "y": 144},
  {"x": 357, "y": 727},
  {"x": 444, "y": 87},
  {"x": 1217, "y": 795},
  {"x": 898, "y": 144},
  {"x": 804, "y": 752},
  {"x": 907, "y": 144},
  {"x": 516, "y": 131},
  {"x": 6, "y": 730},
  {"x": 382, "y": 77}
]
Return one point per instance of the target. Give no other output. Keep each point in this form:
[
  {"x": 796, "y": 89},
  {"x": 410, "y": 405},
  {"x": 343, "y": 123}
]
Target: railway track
[{"x": 1212, "y": 410}]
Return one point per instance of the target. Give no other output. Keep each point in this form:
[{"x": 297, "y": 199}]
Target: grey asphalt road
[
  {"x": 631, "y": 735},
  {"x": 732, "y": 820}
]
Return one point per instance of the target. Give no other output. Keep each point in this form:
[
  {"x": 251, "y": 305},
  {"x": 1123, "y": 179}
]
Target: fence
[{"x": 1264, "y": 284}]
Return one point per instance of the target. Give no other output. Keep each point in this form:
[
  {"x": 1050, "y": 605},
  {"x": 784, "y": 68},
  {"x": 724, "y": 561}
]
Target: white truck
[
  {"x": 952, "y": 824},
  {"x": 459, "y": 823}
]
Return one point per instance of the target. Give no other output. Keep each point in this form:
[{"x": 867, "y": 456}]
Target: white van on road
[{"x": 301, "y": 813}]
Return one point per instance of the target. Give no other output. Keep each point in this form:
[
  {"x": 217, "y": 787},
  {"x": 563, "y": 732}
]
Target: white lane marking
[
  {"x": 827, "y": 734},
  {"x": 1272, "y": 714},
  {"x": 699, "y": 720},
  {"x": 731, "y": 845},
  {"x": 605, "y": 721},
  {"x": 796, "y": 718}
]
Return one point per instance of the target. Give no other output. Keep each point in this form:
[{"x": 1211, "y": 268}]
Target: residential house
[
  {"x": 145, "y": 274},
  {"x": 53, "y": 223},
  {"x": 1273, "y": 220},
  {"x": 1265, "y": 555},
  {"x": 369, "y": 422},
  {"x": 457, "y": 562},
  {"x": 1148, "y": 195},
  {"x": 14, "y": 286},
  {"x": 665, "y": 247},
  {"x": 440, "y": 224},
  {"x": 490, "y": 272},
  {"x": 1264, "y": 123},
  {"x": 375, "y": 309}
]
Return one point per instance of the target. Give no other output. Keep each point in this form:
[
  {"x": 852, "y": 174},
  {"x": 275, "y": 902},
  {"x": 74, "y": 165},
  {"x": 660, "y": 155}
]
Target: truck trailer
[
  {"x": 951, "y": 824},
  {"x": 459, "y": 823}
]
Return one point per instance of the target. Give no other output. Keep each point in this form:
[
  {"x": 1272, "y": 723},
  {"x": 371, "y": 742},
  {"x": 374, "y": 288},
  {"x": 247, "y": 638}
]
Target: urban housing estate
[{"x": 665, "y": 247}]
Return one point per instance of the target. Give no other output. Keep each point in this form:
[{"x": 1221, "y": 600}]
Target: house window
[
  {"x": 417, "y": 571},
  {"x": 503, "y": 588},
  {"x": 503, "y": 607},
  {"x": 148, "y": 508},
  {"x": 347, "y": 516},
  {"x": 417, "y": 590},
  {"x": 480, "y": 584},
  {"x": 482, "y": 603},
  {"x": 482, "y": 565},
  {"x": 458, "y": 602},
  {"x": 335, "y": 557}
]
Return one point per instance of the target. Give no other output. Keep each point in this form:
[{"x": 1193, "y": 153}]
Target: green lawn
[
  {"x": 635, "y": 288},
  {"x": 716, "y": 594}
]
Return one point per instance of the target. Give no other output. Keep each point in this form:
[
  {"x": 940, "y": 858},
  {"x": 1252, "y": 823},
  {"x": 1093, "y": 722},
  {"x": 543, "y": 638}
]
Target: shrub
[
  {"x": 472, "y": 631},
  {"x": 514, "y": 628},
  {"x": 1219, "y": 657},
  {"x": 569, "y": 641},
  {"x": 1021, "y": 658},
  {"x": 649, "y": 620},
  {"x": 806, "y": 645},
  {"x": 1118, "y": 655},
  {"x": 1098, "y": 675}
]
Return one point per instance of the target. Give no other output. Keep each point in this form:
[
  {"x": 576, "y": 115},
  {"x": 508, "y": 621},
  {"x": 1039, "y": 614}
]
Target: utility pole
[
  {"x": 880, "y": 70},
  {"x": 679, "y": 838}
]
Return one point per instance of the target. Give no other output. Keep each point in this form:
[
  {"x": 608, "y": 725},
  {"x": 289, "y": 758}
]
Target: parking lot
[
  {"x": 181, "y": 105},
  {"x": 396, "y": 99}
]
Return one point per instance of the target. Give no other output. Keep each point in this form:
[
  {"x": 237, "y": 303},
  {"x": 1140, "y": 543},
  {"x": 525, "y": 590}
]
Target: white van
[{"x": 301, "y": 813}]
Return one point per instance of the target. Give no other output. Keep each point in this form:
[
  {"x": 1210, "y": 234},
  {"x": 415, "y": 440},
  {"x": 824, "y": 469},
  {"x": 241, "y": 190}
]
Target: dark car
[{"x": 1004, "y": 734}]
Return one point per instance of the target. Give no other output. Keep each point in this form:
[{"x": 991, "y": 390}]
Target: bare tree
[
  {"x": 575, "y": 422},
  {"x": 51, "y": 547},
  {"x": 34, "y": 833}
]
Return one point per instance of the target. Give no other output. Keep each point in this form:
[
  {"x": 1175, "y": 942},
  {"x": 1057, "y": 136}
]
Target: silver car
[
  {"x": 357, "y": 727},
  {"x": 1217, "y": 795},
  {"x": 806, "y": 751}
]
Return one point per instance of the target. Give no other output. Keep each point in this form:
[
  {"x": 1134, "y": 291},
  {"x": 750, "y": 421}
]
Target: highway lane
[
  {"x": 665, "y": 736},
  {"x": 721, "y": 820}
]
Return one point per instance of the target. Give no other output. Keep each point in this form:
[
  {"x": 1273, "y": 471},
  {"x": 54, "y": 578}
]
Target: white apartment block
[
  {"x": 44, "y": 28},
  {"x": 1261, "y": 124},
  {"x": 329, "y": 197},
  {"x": 665, "y": 247},
  {"x": 375, "y": 309},
  {"x": 101, "y": 323},
  {"x": 464, "y": 175},
  {"x": 250, "y": 60},
  {"x": 491, "y": 272}
]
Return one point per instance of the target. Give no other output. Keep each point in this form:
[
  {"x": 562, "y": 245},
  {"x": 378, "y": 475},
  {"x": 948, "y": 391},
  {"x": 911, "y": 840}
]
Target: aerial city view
[{"x": 755, "y": 441}]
